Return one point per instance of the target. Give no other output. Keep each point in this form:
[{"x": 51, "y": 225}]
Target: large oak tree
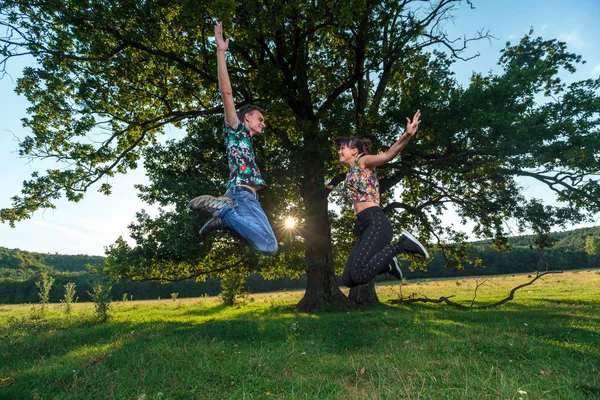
[{"x": 112, "y": 75}]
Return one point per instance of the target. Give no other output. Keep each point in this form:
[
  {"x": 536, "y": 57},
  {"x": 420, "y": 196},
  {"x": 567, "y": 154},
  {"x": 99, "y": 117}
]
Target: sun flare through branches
[{"x": 290, "y": 223}]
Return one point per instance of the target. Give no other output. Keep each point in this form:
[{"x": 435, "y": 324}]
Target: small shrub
[
  {"x": 44, "y": 287},
  {"x": 124, "y": 299},
  {"x": 174, "y": 296},
  {"x": 243, "y": 298},
  {"x": 231, "y": 288},
  {"x": 36, "y": 313},
  {"x": 69, "y": 297},
  {"x": 100, "y": 295}
]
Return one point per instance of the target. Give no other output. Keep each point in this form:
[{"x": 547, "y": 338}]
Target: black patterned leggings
[{"x": 369, "y": 256}]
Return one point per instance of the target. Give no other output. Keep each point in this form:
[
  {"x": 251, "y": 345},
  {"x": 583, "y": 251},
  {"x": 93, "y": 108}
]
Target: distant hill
[
  {"x": 573, "y": 239},
  {"x": 567, "y": 254},
  {"x": 15, "y": 263}
]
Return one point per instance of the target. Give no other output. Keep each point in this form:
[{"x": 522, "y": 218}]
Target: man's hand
[
  {"x": 412, "y": 126},
  {"x": 221, "y": 44},
  {"x": 224, "y": 83}
]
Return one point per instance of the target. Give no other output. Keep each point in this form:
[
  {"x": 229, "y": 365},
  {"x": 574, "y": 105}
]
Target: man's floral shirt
[{"x": 242, "y": 165}]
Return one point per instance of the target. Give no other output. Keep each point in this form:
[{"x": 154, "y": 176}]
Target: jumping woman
[{"x": 372, "y": 253}]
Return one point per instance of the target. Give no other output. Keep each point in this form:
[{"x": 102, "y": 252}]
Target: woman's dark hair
[
  {"x": 248, "y": 108},
  {"x": 363, "y": 145}
]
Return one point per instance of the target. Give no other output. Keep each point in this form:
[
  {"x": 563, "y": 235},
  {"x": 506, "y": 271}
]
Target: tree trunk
[
  {"x": 322, "y": 290},
  {"x": 321, "y": 287},
  {"x": 364, "y": 294}
]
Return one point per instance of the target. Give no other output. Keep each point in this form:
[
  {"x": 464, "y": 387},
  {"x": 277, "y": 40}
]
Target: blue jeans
[{"x": 247, "y": 218}]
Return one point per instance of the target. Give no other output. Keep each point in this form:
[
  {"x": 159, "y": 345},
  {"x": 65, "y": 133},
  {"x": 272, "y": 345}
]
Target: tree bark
[
  {"x": 322, "y": 290},
  {"x": 364, "y": 294},
  {"x": 321, "y": 287}
]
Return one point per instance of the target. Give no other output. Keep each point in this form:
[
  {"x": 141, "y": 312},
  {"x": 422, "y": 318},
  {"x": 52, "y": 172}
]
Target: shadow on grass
[
  {"x": 53, "y": 357},
  {"x": 591, "y": 304},
  {"x": 572, "y": 329}
]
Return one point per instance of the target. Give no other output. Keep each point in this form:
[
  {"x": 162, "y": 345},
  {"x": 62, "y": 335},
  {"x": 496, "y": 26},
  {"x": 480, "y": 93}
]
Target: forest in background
[{"x": 20, "y": 270}]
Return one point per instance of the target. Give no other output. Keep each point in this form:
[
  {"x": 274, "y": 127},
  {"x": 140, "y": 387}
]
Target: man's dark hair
[{"x": 248, "y": 108}]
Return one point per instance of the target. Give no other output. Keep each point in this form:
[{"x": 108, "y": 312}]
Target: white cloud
[
  {"x": 572, "y": 39},
  {"x": 596, "y": 70},
  {"x": 54, "y": 228}
]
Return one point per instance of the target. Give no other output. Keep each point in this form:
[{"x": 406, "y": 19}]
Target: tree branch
[{"x": 446, "y": 299}]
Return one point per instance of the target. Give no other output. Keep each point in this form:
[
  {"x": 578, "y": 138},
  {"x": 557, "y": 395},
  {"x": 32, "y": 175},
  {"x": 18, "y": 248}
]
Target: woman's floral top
[
  {"x": 242, "y": 166},
  {"x": 360, "y": 185}
]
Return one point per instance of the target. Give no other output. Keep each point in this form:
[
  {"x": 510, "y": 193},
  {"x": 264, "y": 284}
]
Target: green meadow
[{"x": 545, "y": 344}]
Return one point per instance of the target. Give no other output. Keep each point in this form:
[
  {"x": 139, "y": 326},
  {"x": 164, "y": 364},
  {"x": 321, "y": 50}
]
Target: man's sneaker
[
  {"x": 395, "y": 268},
  {"x": 410, "y": 244},
  {"x": 213, "y": 224},
  {"x": 210, "y": 203}
]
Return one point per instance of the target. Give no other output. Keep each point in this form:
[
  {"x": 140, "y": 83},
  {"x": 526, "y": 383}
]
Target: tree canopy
[{"x": 112, "y": 75}]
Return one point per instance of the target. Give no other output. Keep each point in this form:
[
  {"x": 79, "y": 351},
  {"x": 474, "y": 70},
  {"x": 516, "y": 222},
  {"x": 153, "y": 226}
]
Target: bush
[
  {"x": 44, "y": 287},
  {"x": 69, "y": 297},
  {"x": 101, "y": 297},
  {"x": 231, "y": 288}
]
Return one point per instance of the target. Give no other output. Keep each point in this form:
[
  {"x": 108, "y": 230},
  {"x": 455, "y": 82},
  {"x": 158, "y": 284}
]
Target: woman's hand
[{"x": 412, "y": 126}]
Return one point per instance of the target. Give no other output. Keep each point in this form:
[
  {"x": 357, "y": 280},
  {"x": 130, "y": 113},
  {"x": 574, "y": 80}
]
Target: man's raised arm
[{"x": 224, "y": 83}]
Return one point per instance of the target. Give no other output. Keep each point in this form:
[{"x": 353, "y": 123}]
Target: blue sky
[{"x": 95, "y": 222}]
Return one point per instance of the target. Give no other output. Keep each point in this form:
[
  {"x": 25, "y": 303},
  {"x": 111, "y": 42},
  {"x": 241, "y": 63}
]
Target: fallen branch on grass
[{"x": 446, "y": 299}]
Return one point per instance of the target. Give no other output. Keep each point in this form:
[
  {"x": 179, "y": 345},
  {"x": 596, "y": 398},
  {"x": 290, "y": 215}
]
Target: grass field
[{"x": 543, "y": 345}]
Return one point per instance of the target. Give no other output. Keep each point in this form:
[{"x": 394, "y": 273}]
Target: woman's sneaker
[
  {"x": 210, "y": 203},
  {"x": 395, "y": 269},
  {"x": 409, "y": 244}
]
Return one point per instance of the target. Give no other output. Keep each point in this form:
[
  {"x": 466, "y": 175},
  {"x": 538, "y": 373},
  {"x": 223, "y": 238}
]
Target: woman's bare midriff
[{"x": 363, "y": 205}]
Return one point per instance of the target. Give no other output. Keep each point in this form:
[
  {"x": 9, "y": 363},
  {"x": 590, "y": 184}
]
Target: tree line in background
[{"x": 20, "y": 271}]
